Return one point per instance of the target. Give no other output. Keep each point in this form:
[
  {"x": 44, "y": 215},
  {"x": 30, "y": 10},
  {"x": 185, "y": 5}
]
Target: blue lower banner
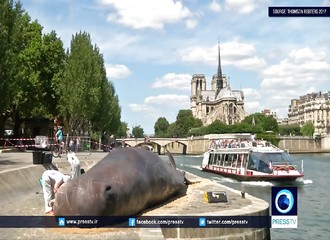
[{"x": 136, "y": 222}]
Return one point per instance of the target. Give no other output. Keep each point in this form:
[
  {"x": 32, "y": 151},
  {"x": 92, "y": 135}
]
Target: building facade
[
  {"x": 314, "y": 107},
  {"x": 220, "y": 103}
]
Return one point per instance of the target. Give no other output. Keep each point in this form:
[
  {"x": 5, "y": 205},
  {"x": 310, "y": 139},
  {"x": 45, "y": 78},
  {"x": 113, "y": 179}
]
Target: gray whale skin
[{"x": 124, "y": 183}]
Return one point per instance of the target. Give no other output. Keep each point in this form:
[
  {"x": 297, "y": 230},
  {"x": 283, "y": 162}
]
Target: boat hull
[{"x": 245, "y": 177}]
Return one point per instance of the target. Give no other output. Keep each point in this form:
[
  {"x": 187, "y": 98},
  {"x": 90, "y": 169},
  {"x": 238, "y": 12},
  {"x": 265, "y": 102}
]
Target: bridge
[{"x": 175, "y": 145}]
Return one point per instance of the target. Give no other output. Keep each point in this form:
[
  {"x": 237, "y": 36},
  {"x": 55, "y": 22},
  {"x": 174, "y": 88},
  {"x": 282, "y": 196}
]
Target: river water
[{"x": 313, "y": 193}]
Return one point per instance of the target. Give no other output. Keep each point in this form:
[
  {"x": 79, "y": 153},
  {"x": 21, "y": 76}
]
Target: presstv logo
[{"x": 284, "y": 207}]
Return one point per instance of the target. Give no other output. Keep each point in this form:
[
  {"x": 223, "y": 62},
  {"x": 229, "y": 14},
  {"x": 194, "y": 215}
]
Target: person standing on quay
[{"x": 75, "y": 164}]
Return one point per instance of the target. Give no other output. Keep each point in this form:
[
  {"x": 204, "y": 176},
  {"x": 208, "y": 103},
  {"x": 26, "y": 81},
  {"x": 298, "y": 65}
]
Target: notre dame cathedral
[{"x": 220, "y": 103}]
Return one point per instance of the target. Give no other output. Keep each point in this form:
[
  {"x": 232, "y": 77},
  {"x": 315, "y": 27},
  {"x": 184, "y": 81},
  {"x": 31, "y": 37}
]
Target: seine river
[{"x": 313, "y": 194}]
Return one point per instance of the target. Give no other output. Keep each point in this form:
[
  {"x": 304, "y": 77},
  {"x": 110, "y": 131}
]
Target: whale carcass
[{"x": 126, "y": 182}]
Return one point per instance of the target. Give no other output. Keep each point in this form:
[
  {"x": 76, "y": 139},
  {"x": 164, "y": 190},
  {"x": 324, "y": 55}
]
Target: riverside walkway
[{"x": 21, "y": 195}]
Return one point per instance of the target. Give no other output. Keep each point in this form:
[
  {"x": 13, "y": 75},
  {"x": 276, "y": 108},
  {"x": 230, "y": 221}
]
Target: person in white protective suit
[
  {"x": 51, "y": 181},
  {"x": 75, "y": 164}
]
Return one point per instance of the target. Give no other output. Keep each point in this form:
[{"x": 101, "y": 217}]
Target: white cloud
[
  {"x": 306, "y": 54},
  {"x": 300, "y": 69},
  {"x": 251, "y": 93},
  {"x": 146, "y": 13},
  {"x": 154, "y": 107},
  {"x": 191, "y": 23},
  {"x": 241, "y": 6},
  {"x": 215, "y": 6},
  {"x": 302, "y": 72},
  {"x": 173, "y": 80},
  {"x": 251, "y": 100},
  {"x": 136, "y": 107},
  {"x": 240, "y": 55},
  {"x": 116, "y": 71},
  {"x": 154, "y": 103},
  {"x": 116, "y": 43},
  {"x": 326, "y": 3},
  {"x": 172, "y": 100},
  {"x": 252, "y": 107}
]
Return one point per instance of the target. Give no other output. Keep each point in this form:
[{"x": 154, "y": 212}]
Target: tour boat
[{"x": 242, "y": 157}]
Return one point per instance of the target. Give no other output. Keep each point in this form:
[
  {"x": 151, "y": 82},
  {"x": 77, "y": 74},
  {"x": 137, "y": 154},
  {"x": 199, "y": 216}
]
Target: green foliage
[
  {"x": 27, "y": 69},
  {"x": 88, "y": 100},
  {"x": 122, "y": 130},
  {"x": 270, "y": 124},
  {"x": 161, "y": 127},
  {"x": 217, "y": 127},
  {"x": 79, "y": 88},
  {"x": 138, "y": 132},
  {"x": 266, "y": 123},
  {"x": 38, "y": 79},
  {"x": 308, "y": 129},
  {"x": 270, "y": 137},
  {"x": 52, "y": 61},
  {"x": 8, "y": 23},
  {"x": 172, "y": 130},
  {"x": 184, "y": 122},
  {"x": 289, "y": 130}
]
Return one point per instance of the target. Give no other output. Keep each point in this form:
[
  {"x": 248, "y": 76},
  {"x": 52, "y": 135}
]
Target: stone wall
[{"x": 300, "y": 145}]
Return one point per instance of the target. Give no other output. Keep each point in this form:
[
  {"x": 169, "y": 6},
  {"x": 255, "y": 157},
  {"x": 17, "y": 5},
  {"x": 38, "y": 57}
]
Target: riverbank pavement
[{"x": 21, "y": 195}]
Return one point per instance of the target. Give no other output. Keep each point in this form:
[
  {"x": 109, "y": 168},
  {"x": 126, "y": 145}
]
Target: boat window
[
  {"x": 253, "y": 163},
  {"x": 216, "y": 159},
  {"x": 245, "y": 159},
  {"x": 260, "y": 161},
  {"x": 280, "y": 158},
  {"x": 225, "y": 159},
  {"x": 226, "y": 162},
  {"x": 211, "y": 158},
  {"x": 240, "y": 158},
  {"x": 221, "y": 160},
  {"x": 235, "y": 160},
  {"x": 230, "y": 159}
]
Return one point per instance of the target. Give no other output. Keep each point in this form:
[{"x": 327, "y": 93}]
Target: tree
[
  {"x": 27, "y": 90},
  {"x": 289, "y": 129},
  {"x": 52, "y": 63},
  {"x": 79, "y": 86},
  {"x": 161, "y": 127},
  {"x": 138, "y": 132},
  {"x": 8, "y": 18},
  {"x": 217, "y": 127},
  {"x": 88, "y": 101},
  {"x": 122, "y": 130},
  {"x": 38, "y": 79},
  {"x": 308, "y": 129},
  {"x": 106, "y": 118},
  {"x": 186, "y": 121},
  {"x": 267, "y": 123},
  {"x": 270, "y": 124},
  {"x": 172, "y": 130}
]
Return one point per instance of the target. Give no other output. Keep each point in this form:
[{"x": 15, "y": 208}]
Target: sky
[{"x": 151, "y": 49}]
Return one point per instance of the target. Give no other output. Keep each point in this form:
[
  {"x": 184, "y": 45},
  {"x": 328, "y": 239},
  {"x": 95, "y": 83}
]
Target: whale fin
[{"x": 170, "y": 158}]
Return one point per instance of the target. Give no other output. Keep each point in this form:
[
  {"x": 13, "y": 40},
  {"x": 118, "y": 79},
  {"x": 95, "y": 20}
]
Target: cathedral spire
[{"x": 219, "y": 73}]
